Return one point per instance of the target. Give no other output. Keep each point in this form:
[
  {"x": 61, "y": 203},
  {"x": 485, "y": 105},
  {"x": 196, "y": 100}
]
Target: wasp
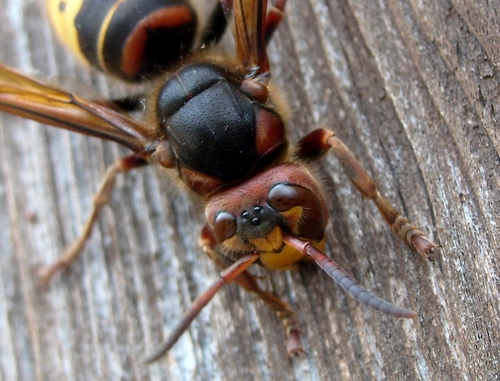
[{"x": 217, "y": 122}]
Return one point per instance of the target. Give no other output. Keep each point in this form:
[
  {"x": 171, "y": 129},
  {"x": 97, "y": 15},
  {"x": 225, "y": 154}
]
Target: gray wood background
[{"x": 410, "y": 85}]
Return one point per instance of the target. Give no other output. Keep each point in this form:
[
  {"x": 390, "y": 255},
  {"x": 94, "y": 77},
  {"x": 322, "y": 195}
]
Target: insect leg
[
  {"x": 227, "y": 275},
  {"x": 284, "y": 312},
  {"x": 319, "y": 142},
  {"x": 101, "y": 198},
  {"x": 274, "y": 17}
]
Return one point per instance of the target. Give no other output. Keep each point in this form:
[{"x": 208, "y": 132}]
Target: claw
[
  {"x": 294, "y": 345},
  {"x": 423, "y": 245}
]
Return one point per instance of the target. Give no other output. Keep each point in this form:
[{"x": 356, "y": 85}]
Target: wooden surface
[{"x": 411, "y": 86}]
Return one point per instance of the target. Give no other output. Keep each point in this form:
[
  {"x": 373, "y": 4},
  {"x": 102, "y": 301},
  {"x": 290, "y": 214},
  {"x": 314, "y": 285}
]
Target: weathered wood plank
[{"x": 411, "y": 86}]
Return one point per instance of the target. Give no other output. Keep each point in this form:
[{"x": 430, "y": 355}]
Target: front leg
[
  {"x": 284, "y": 312},
  {"x": 318, "y": 142}
]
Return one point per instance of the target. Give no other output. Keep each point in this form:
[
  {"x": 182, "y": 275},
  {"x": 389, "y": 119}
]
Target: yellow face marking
[
  {"x": 293, "y": 217},
  {"x": 273, "y": 242},
  {"x": 286, "y": 258}
]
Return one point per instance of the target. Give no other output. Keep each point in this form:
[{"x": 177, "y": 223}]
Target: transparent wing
[
  {"x": 33, "y": 99},
  {"x": 249, "y": 33}
]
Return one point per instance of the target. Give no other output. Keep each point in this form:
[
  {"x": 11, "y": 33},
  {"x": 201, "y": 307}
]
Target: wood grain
[{"x": 411, "y": 86}]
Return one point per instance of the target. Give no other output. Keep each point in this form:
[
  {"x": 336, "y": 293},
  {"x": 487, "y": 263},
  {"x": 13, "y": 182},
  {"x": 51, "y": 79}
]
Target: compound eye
[
  {"x": 284, "y": 197},
  {"x": 224, "y": 226}
]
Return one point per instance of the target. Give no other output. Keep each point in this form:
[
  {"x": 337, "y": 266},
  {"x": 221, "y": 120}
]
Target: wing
[
  {"x": 249, "y": 34},
  {"x": 33, "y": 99}
]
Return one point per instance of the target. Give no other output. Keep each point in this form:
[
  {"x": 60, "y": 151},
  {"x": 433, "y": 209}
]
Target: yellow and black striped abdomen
[{"x": 133, "y": 39}]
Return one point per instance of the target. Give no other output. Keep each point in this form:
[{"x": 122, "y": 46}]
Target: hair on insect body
[{"x": 219, "y": 126}]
